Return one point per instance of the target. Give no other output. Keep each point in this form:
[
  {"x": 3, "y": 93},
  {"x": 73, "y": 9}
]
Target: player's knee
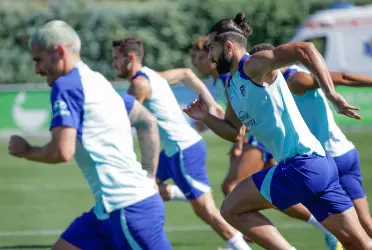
[
  {"x": 228, "y": 186},
  {"x": 205, "y": 208}
]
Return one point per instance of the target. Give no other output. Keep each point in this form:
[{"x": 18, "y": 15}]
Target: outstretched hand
[
  {"x": 198, "y": 109},
  {"x": 342, "y": 107}
]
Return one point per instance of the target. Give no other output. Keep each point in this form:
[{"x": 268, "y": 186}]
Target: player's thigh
[
  {"x": 345, "y": 226},
  {"x": 251, "y": 162},
  {"x": 362, "y": 209},
  {"x": 245, "y": 197}
]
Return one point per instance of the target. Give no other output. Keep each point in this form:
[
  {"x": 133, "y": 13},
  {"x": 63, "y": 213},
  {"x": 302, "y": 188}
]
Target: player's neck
[
  {"x": 134, "y": 69},
  {"x": 238, "y": 55},
  {"x": 70, "y": 64}
]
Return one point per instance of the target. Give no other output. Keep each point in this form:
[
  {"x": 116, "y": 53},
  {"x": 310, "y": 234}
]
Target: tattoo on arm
[{"x": 148, "y": 136}]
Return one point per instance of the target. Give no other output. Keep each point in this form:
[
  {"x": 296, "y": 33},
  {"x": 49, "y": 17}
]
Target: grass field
[{"x": 39, "y": 201}]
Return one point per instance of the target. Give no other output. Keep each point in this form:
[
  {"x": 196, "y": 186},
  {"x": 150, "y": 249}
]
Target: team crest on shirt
[
  {"x": 242, "y": 90},
  {"x": 60, "y": 108},
  {"x": 368, "y": 48}
]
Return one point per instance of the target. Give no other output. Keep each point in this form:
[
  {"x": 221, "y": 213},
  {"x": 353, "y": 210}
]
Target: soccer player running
[
  {"x": 184, "y": 153},
  {"x": 90, "y": 122},
  {"x": 317, "y": 114},
  {"x": 247, "y": 156},
  {"x": 260, "y": 102},
  {"x": 253, "y": 157}
]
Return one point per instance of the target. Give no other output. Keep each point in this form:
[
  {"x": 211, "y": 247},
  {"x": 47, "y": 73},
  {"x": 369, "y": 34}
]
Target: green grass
[{"x": 37, "y": 197}]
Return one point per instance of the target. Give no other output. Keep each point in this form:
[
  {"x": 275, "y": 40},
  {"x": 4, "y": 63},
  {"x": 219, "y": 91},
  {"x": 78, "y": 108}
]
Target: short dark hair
[
  {"x": 237, "y": 29},
  {"x": 261, "y": 47},
  {"x": 130, "y": 44}
]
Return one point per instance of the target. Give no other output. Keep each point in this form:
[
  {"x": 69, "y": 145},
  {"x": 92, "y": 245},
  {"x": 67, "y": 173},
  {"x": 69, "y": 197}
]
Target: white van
[{"x": 343, "y": 36}]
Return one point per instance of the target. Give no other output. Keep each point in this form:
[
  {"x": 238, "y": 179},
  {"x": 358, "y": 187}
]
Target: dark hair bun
[{"x": 244, "y": 25}]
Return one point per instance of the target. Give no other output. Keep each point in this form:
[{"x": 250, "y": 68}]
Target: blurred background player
[
  {"x": 184, "y": 153},
  {"x": 260, "y": 99},
  {"x": 129, "y": 213}
]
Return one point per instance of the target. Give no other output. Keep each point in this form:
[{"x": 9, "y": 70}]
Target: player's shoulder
[
  {"x": 68, "y": 86},
  {"x": 72, "y": 80},
  {"x": 140, "y": 79}
]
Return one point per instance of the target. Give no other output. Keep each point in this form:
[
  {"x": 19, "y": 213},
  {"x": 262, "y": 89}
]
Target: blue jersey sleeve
[
  {"x": 289, "y": 72},
  {"x": 67, "y": 106},
  {"x": 128, "y": 101}
]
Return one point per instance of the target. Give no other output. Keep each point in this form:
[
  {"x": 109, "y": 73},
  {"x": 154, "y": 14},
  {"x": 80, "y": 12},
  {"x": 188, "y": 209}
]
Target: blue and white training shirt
[
  {"x": 318, "y": 116},
  {"x": 83, "y": 99},
  {"x": 175, "y": 132}
]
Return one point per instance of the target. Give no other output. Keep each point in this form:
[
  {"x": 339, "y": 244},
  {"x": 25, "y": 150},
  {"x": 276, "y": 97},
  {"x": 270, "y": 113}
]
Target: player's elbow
[
  {"x": 307, "y": 50},
  {"x": 306, "y": 46},
  {"x": 188, "y": 73},
  {"x": 64, "y": 154},
  {"x": 152, "y": 121}
]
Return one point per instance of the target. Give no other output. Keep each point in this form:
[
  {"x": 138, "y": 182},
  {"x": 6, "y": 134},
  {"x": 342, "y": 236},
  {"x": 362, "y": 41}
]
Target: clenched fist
[
  {"x": 198, "y": 109},
  {"x": 18, "y": 146}
]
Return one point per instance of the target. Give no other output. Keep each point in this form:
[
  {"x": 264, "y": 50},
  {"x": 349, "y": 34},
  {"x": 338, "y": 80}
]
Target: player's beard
[
  {"x": 124, "y": 72},
  {"x": 223, "y": 65}
]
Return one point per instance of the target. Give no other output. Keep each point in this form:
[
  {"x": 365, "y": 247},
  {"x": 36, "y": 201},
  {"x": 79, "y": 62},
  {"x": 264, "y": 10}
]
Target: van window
[{"x": 320, "y": 43}]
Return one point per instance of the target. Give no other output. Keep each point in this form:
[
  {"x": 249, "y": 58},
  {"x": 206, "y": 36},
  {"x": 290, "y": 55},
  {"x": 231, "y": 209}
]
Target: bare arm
[
  {"x": 188, "y": 77},
  {"x": 230, "y": 128},
  {"x": 350, "y": 79},
  {"x": 300, "y": 82},
  {"x": 60, "y": 149},
  {"x": 141, "y": 89},
  {"x": 264, "y": 62},
  {"x": 148, "y": 136}
]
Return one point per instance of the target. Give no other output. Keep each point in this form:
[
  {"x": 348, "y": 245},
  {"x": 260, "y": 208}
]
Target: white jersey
[
  {"x": 83, "y": 99},
  {"x": 175, "y": 132},
  {"x": 318, "y": 116}
]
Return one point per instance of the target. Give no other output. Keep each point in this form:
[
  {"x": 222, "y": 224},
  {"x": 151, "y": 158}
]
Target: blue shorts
[
  {"x": 349, "y": 173},
  {"x": 266, "y": 154},
  {"x": 188, "y": 170},
  {"x": 308, "y": 179},
  {"x": 139, "y": 226}
]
